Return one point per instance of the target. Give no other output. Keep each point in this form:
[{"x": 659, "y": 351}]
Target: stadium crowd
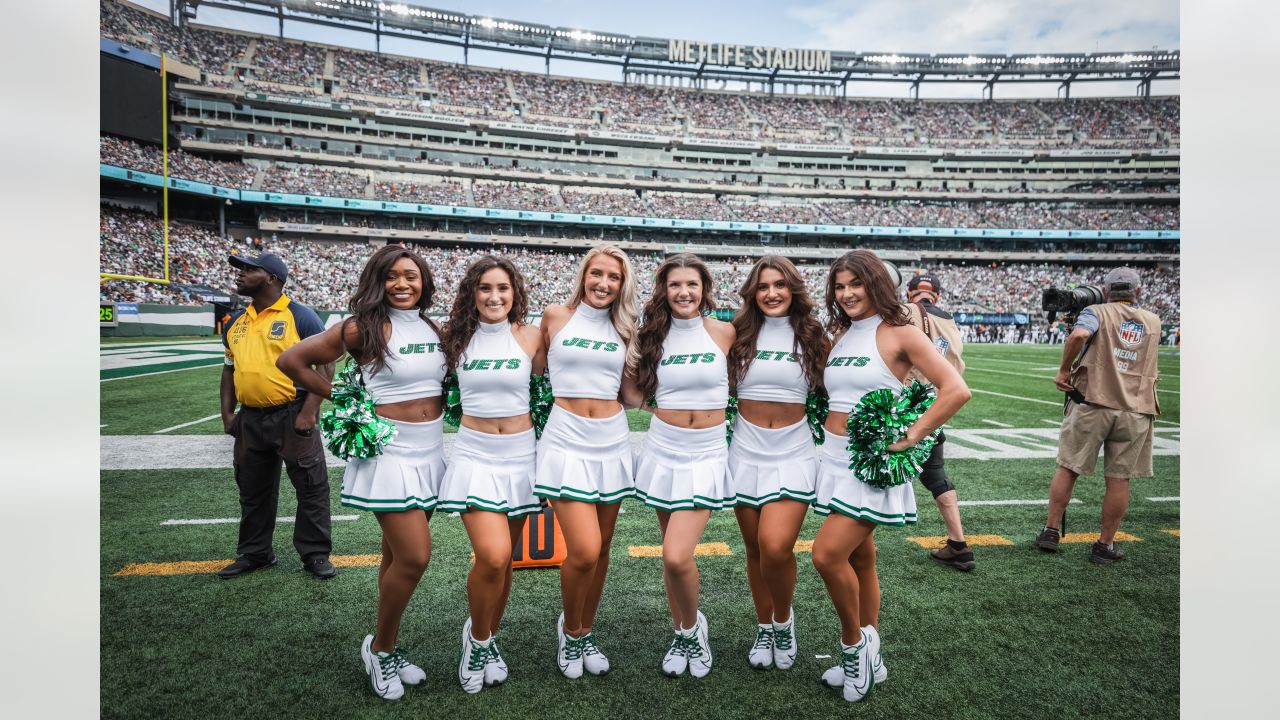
[
  {"x": 320, "y": 180},
  {"x": 567, "y": 101},
  {"x": 323, "y": 273}
]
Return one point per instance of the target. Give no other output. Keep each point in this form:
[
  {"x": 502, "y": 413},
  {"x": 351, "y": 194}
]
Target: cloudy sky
[{"x": 929, "y": 26}]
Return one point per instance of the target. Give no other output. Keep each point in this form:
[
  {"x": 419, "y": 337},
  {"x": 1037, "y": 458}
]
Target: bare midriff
[
  {"x": 691, "y": 419},
  {"x": 769, "y": 414},
  {"x": 424, "y": 409},
  {"x": 499, "y": 426},
  {"x": 590, "y": 407},
  {"x": 836, "y": 422}
]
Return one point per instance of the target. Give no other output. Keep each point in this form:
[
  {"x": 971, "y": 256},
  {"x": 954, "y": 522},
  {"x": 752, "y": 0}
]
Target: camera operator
[
  {"x": 923, "y": 292},
  {"x": 1109, "y": 373}
]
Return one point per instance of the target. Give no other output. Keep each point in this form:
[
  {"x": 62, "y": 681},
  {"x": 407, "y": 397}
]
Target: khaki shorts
[{"x": 1126, "y": 437}]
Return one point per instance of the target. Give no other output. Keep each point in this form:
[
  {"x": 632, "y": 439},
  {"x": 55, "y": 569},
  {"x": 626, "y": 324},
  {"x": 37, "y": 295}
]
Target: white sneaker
[
  {"x": 855, "y": 660},
  {"x": 568, "y": 652},
  {"x": 761, "y": 654},
  {"x": 834, "y": 677},
  {"x": 784, "y": 643},
  {"x": 878, "y": 670},
  {"x": 676, "y": 660},
  {"x": 381, "y": 668},
  {"x": 409, "y": 673},
  {"x": 475, "y": 655},
  {"x": 593, "y": 660},
  {"x": 700, "y": 650},
  {"x": 495, "y": 669}
]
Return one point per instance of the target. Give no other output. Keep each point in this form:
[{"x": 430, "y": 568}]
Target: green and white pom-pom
[
  {"x": 540, "y": 401},
  {"x": 730, "y": 414},
  {"x": 351, "y": 429},
  {"x": 816, "y": 411},
  {"x": 452, "y": 400},
  {"x": 880, "y": 419}
]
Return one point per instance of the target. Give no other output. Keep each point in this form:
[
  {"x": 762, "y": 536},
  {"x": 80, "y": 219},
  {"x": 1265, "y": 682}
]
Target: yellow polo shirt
[{"x": 253, "y": 340}]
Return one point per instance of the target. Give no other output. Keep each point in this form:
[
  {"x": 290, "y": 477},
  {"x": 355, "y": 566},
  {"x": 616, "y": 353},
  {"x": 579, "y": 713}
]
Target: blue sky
[{"x": 932, "y": 26}]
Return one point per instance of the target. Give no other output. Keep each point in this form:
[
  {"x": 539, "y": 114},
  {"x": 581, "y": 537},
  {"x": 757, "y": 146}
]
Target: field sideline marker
[
  {"x": 932, "y": 541},
  {"x": 1170, "y": 498},
  {"x": 197, "y": 567},
  {"x": 228, "y": 521},
  {"x": 1093, "y": 537},
  {"x": 1073, "y": 501},
  {"x": 713, "y": 548},
  {"x": 186, "y": 424},
  {"x": 997, "y": 423}
]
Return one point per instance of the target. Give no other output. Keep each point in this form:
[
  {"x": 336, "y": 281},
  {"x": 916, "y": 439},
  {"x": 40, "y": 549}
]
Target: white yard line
[
  {"x": 1016, "y": 397},
  {"x": 1040, "y": 377},
  {"x": 1051, "y": 422},
  {"x": 1166, "y": 422},
  {"x": 1011, "y": 502},
  {"x": 230, "y": 521},
  {"x": 187, "y": 424},
  {"x": 161, "y": 372},
  {"x": 997, "y": 423},
  {"x": 1175, "y": 498}
]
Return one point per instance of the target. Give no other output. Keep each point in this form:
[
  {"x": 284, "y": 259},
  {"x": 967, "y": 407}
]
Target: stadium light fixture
[{"x": 486, "y": 23}]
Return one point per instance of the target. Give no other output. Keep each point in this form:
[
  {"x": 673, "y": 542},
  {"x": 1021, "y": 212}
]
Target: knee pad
[{"x": 936, "y": 480}]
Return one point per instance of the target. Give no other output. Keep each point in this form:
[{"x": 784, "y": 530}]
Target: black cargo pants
[{"x": 264, "y": 437}]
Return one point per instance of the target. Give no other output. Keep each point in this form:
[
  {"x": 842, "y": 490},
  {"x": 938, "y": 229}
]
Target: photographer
[
  {"x": 922, "y": 292},
  {"x": 1108, "y": 371}
]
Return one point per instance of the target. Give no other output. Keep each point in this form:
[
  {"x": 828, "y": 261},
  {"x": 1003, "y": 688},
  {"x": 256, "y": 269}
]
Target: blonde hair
[{"x": 622, "y": 312}]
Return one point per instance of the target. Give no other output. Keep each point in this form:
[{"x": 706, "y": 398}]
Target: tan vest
[
  {"x": 945, "y": 336},
  {"x": 1118, "y": 369}
]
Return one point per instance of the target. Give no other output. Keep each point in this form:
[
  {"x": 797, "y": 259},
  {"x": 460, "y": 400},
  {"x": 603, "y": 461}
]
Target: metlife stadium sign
[{"x": 748, "y": 56}]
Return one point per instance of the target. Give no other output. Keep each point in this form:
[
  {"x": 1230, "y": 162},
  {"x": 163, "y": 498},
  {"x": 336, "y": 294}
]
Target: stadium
[{"x": 219, "y": 142}]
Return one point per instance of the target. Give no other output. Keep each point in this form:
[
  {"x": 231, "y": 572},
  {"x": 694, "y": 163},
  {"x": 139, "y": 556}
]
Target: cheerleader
[
  {"x": 402, "y": 365},
  {"x": 490, "y": 477},
  {"x": 584, "y": 456},
  {"x": 683, "y": 472},
  {"x": 874, "y": 347},
  {"x": 775, "y": 361}
]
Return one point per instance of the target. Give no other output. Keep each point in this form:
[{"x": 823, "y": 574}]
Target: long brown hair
[
  {"x": 656, "y": 320},
  {"x": 464, "y": 317},
  {"x": 868, "y": 269},
  {"x": 809, "y": 344},
  {"x": 369, "y": 305}
]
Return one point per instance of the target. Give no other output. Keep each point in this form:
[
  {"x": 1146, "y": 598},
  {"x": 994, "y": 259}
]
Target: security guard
[
  {"x": 1109, "y": 373},
  {"x": 276, "y": 421},
  {"x": 922, "y": 292}
]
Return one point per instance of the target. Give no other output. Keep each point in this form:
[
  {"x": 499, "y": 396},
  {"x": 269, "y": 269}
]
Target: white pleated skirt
[
  {"x": 406, "y": 476},
  {"x": 839, "y": 491},
  {"x": 490, "y": 472},
  {"x": 772, "y": 464},
  {"x": 683, "y": 469},
  {"x": 587, "y": 459}
]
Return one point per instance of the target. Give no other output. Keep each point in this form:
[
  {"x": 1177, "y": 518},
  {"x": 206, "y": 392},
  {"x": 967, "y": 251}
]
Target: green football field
[{"x": 1026, "y": 635}]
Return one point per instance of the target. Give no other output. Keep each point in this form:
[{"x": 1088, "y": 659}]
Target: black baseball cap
[
  {"x": 929, "y": 280},
  {"x": 266, "y": 261}
]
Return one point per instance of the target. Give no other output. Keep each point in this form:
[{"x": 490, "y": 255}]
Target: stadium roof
[{"x": 704, "y": 60}]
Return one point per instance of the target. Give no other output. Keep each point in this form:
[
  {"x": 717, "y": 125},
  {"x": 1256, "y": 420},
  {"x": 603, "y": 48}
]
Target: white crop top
[
  {"x": 415, "y": 365},
  {"x": 693, "y": 373},
  {"x": 775, "y": 373},
  {"x": 855, "y": 368},
  {"x": 493, "y": 373},
  {"x": 587, "y": 355}
]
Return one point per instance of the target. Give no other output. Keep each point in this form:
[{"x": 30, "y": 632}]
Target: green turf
[{"x": 1026, "y": 635}]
